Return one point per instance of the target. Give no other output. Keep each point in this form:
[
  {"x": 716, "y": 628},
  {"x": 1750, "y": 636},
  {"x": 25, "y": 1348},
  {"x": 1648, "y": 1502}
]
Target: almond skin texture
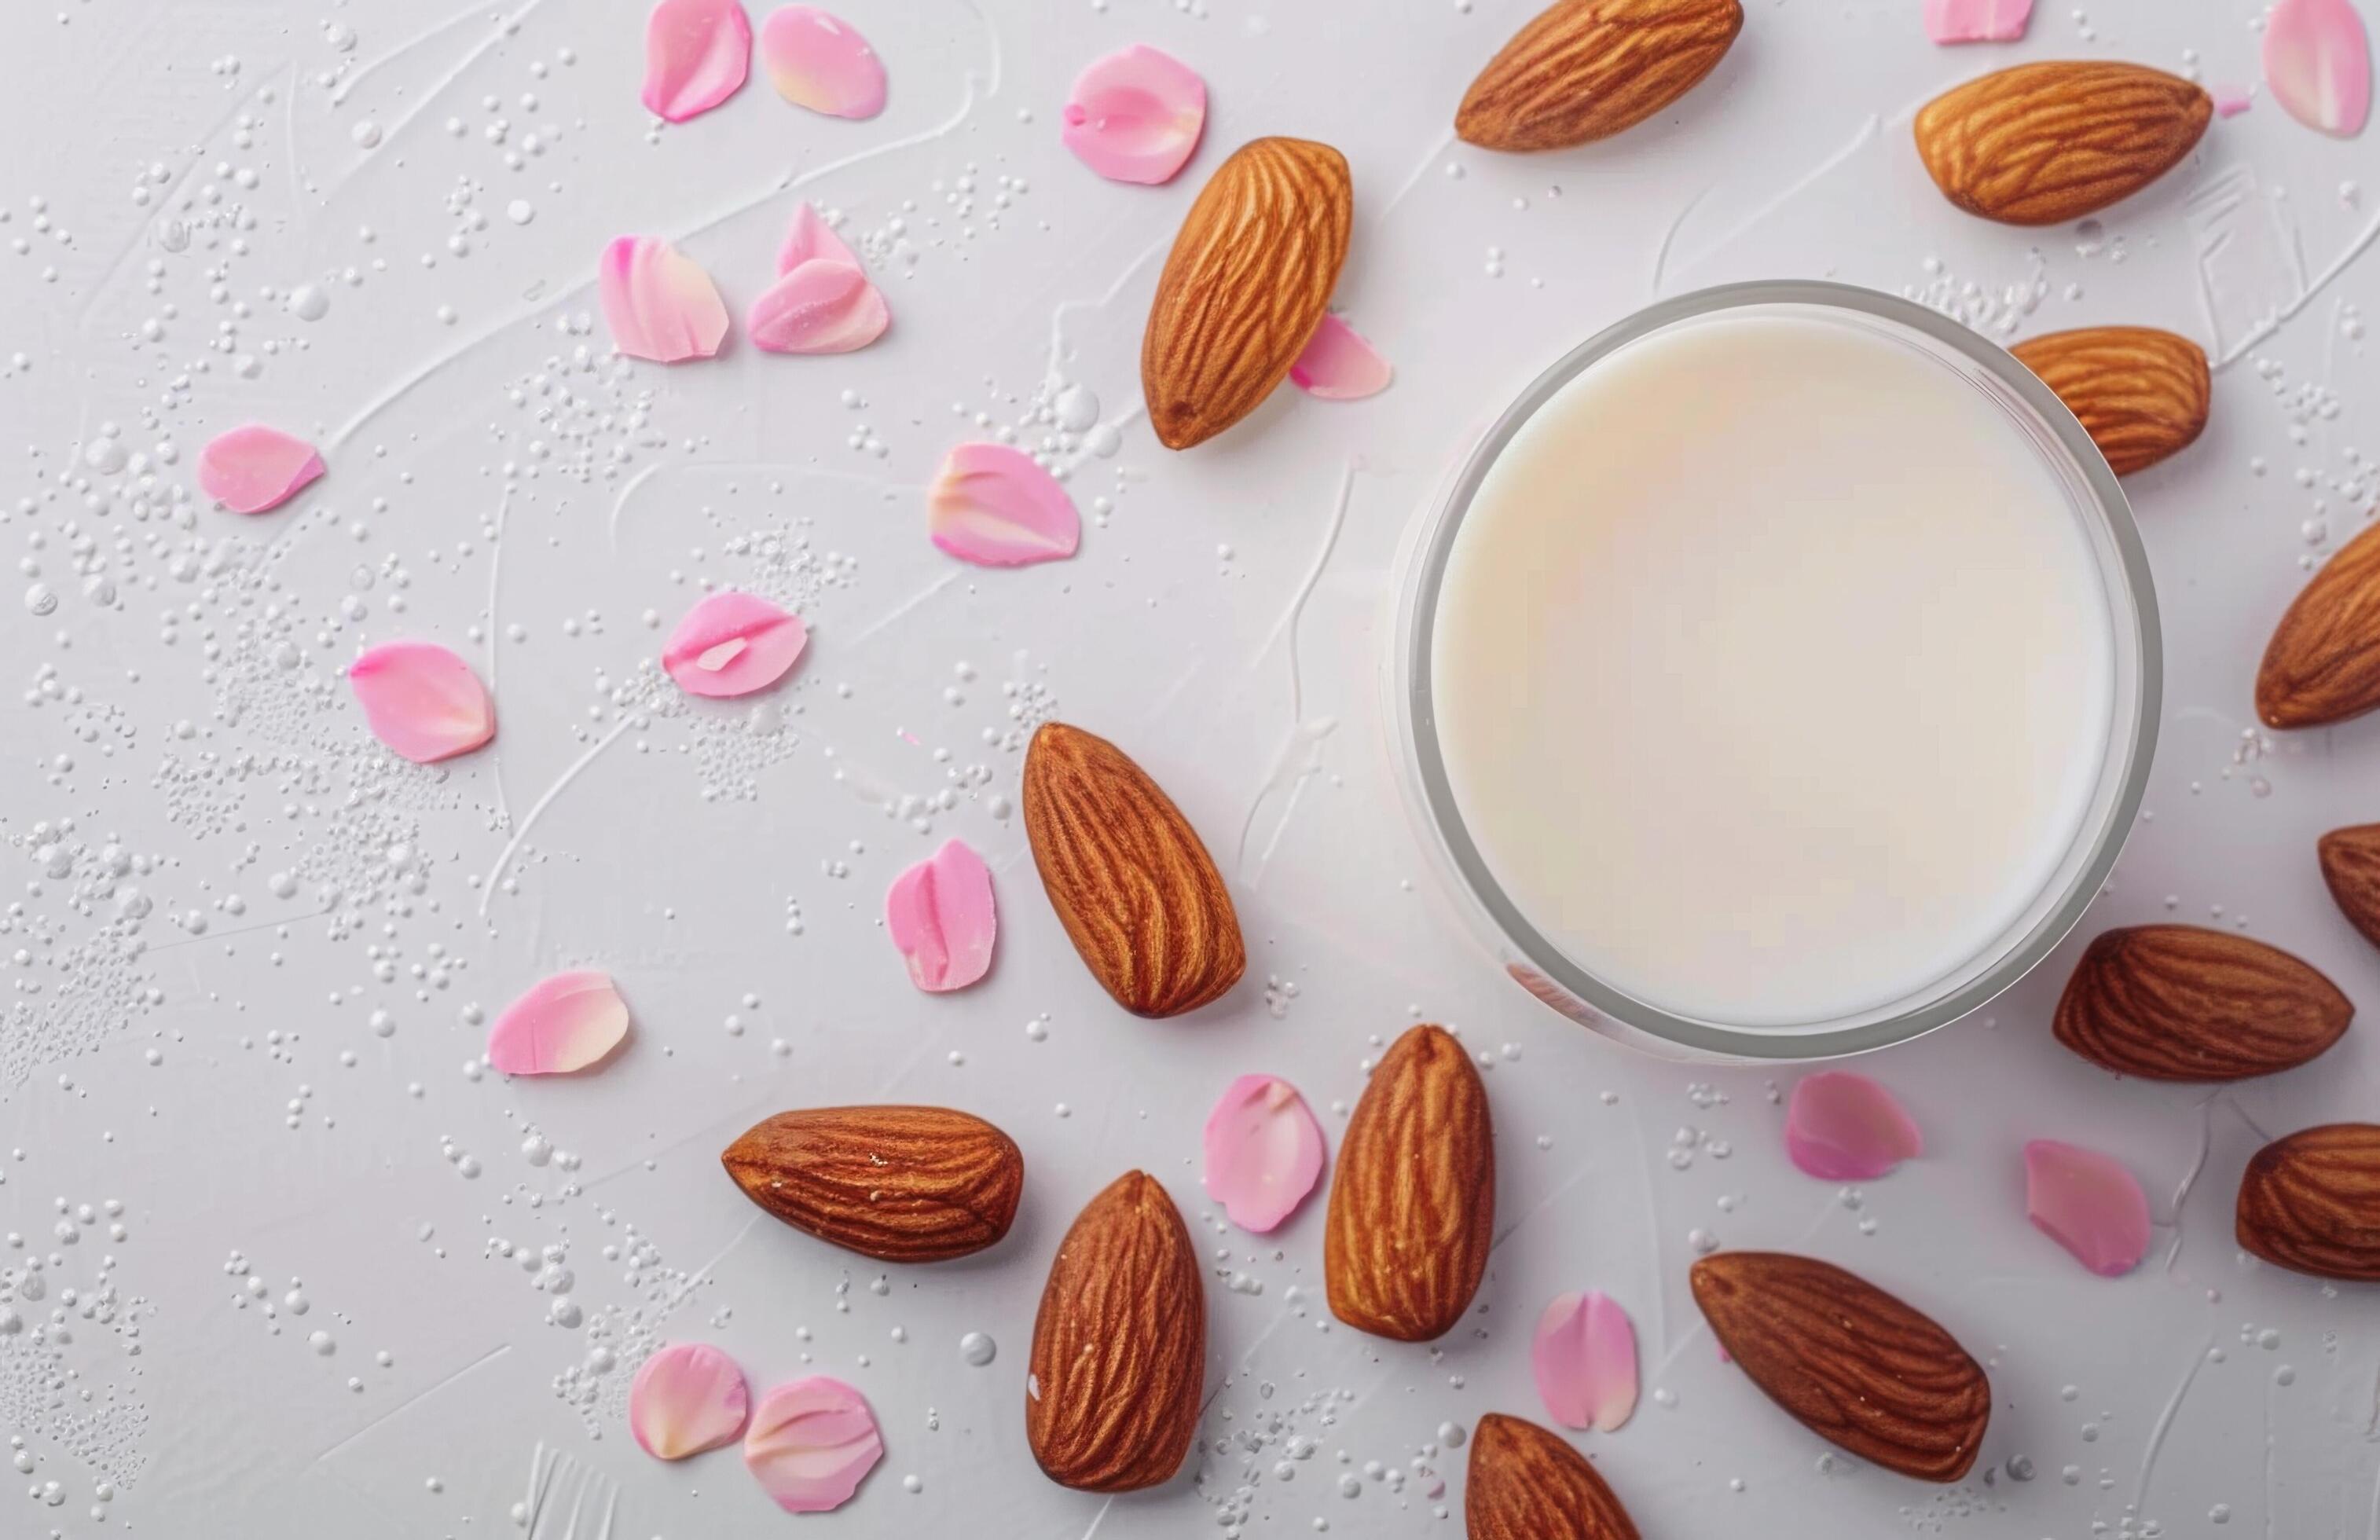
[
  {"x": 2044, "y": 144},
  {"x": 898, "y": 1183},
  {"x": 1585, "y": 70},
  {"x": 1245, "y": 286},
  {"x": 2323, "y": 664},
  {"x": 1413, "y": 1201},
  {"x": 1853, "y": 1365},
  {"x": 2139, "y": 393},
  {"x": 2180, "y": 1002},
  {"x": 1138, "y": 894},
  {"x": 1527, "y": 1484},
  {"x": 1120, "y": 1346},
  {"x": 2310, "y": 1202},
  {"x": 2351, "y": 865}
]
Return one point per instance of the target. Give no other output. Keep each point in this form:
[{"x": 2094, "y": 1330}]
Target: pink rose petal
[
  {"x": 733, "y": 644},
  {"x": 421, "y": 700},
  {"x": 659, "y": 302},
  {"x": 1338, "y": 365},
  {"x": 1976, "y": 20},
  {"x": 255, "y": 469},
  {"x": 697, "y": 54},
  {"x": 1136, "y": 114},
  {"x": 2088, "y": 1203},
  {"x": 811, "y": 1443},
  {"x": 688, "y": 1397},
  {"x": 824, "y": 305},
  {"x": 1845, "y": 1127},
  {"x": 2230, "y": 102},
  {"x": 565, "y": 1023},
  {"x": 816, "y": 61},
  {"x": 808, "y": 237},
  {"x": 939, "y": 914},
  {"x": 1585, "y": 1356},
  {"x": 2319, "y": 63},
  {"x": 1264, "y": 1152},
  {"x": 994, "y": 506}
]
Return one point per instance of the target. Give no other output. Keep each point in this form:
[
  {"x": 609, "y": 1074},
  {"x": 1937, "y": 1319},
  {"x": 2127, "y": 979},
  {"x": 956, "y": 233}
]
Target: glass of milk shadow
[{"x": 1778, "y": 677}]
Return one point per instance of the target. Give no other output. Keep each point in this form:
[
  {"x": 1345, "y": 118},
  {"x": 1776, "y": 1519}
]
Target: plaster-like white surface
[{"x": 248, "y": 956}]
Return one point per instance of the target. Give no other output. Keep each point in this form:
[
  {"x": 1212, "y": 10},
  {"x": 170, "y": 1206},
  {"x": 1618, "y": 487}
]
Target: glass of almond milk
[{"x": 1779, "y": 675}]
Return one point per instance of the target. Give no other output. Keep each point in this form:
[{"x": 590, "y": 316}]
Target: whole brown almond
[
  {"x": 2323, "y": 664},
  {"x": 1528, "y": 1484},
  {"x": 2139, "y": 393},
  {"x": 1136, "y": 889},
  {"x": 1247, "y": 282},
  {"x": 2044, "y": 144},
  {"x": 2182, "y": 1002},
  {"x": 1585, "y": 70},
  {"x": 1120, "y": 1347},
  {"x": 2351, "y": 865},
  {"x": 2310, "y": 1202},
  {"x": 898, "y": 1183},
  {"x": 1413, "y": 1201},
  {"x": 1852, "y": 1363}
]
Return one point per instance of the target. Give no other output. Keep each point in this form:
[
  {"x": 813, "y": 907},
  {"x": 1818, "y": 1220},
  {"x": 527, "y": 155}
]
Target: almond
[
  {"x": 2044, "y": 144},
  {"x": 2323, "y": 664},
  {"x": 898, "y": 1183},
  {"x": 1137, "y": 891},
  {"x": 1120, "y": 1346},
  {"x": 1853, "y": 1365},
  {"x": 1585, "y": 70},
  {"x": 1527, "y": 1484},
  {"x": 1244, "y": 286},
  {"x": 1412, "y": 1204},
  {"x": 2140, "y": 394},
  {"x": 2179, "y": 1003},
  {"x": 2310, "y": 1202},
  {"x": 2351, "y": 865}
]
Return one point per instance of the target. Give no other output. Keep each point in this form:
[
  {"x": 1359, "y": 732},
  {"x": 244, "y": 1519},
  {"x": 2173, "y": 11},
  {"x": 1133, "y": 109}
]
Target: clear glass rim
[{"x": 2101, "y": 840}]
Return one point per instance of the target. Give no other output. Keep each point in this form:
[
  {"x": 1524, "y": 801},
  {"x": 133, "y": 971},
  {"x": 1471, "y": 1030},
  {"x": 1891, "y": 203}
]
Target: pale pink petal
[
  {"x": 1976, "y": 20},
  {"x": 565, "y": 1023},
  {"x": 808, "y": 237},
  {"x": 811, "y": 1443},
  {"x": 2319, "y": 63},
  {"x": 1845, "y": 1127},
  {"x": 824, "y": 305},
  {"x": 1584, "y": 1356},
  {"x": 2088, "y": 1203},
  {"x": 256, "y": 468},
  {"x": 733, "y": 644},
  {"x": 940, "y": 914},
  {"x": 1338, "y": 365},
  {"x": 816, "y": 61},
  {"x": 1136, "y": 114},
  {"x": 659, "y": 302},
  {"x": 1264, "y": 1152},
  {"x": 689, "y": 1397},
  {"x": 697, "y": 54},
  {"x": 994, "y": 506},
  {"x": 2230, "y": 102},
  {"x": 421, "y": 700}
]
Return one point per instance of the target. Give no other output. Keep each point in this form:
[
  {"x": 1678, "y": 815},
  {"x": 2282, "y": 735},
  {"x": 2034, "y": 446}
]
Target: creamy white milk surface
[{"x": 1772, "y": 669}]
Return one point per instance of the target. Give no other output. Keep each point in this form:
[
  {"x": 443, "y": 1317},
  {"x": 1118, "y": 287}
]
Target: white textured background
[{"x": 216, "y": 878}]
